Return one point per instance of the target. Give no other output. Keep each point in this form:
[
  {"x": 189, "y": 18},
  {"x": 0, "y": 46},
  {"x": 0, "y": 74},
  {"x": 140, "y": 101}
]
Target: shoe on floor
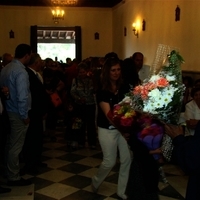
[
  {"x": 122, "y": 196},
  {"x": 4, "y": 190},
  {"x": 21, "y": 182}
]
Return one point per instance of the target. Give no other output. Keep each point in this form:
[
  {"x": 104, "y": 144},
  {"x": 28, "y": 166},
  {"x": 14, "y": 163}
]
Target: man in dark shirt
[{"x": 34, "y": 136}]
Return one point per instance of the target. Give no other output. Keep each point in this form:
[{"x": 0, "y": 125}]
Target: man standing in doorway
[{"x": 15, "y": 77}]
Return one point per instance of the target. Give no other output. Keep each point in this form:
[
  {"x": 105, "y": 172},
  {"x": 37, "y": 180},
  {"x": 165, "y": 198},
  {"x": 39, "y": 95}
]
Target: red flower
[
  {"x": 153, "y": 130},
  {"x": 122, "y": 117},
  {"x": 162, "y": 82},
  {"x": 126, "y": 121}
]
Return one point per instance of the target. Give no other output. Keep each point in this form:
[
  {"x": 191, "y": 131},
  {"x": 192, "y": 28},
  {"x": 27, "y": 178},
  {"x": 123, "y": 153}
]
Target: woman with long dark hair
[{"x": 111, "y": 140}]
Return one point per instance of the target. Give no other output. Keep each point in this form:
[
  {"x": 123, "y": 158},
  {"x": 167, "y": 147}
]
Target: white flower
[
  {"x": 166, "y": 99},
  {"x": 161, "y": 102},
  {"x": 161, "y": 98},
  {"x": 127, "y": 100},
  {"x": 155, "y": 93},
  {"x": 154, "y": 78},
  {"x": 149, "y": 108},
  {"x": 170, "y": 77}
]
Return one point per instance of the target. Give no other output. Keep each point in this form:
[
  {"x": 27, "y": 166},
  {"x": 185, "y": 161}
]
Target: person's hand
[
  {"x": 173, "y": 130},
  {"x": 26, "y": 121},
  {"x": 5, "y": 90},
  {"x": 156, "y": 151}
]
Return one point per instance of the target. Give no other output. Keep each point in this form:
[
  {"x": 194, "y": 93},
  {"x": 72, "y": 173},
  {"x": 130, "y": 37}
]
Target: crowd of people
[{"x": 36, "y": 93}]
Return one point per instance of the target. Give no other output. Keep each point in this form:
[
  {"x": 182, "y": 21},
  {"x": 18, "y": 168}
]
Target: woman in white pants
[{"x": 110, "y": 93}]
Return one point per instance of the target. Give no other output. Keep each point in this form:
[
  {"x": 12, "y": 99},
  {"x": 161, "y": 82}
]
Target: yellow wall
[
  {"x": 91, "y": 20},
  {"x": 161, "y": 28}
]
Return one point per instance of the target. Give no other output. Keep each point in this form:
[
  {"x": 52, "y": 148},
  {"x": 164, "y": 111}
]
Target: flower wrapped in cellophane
[
  {"x": 158, "y": 99},
  {"x": 162, "y": 94},
  {"x": 149, "y": 130},
  {"x": 123, "y": 116}
]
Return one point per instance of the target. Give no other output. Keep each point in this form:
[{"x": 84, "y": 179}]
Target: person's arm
[
  {"x": 189, "y": 110},
  {"x": 23, "y": 95},
  {"x": 189, "y": 115},
  {"x": 105, "y": 107}
]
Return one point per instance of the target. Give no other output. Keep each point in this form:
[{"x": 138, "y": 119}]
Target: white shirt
[
  {"x": 144, "y": 72},
  {"x": 39, "y": 76},
  {"x": 192, "y": 111}
]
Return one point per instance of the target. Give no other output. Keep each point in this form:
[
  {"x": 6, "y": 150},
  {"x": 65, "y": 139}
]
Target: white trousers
[{"x": 110, "y": 141}]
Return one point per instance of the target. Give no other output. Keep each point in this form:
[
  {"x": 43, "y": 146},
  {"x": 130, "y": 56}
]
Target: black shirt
[{"x": 112, "y": 99}]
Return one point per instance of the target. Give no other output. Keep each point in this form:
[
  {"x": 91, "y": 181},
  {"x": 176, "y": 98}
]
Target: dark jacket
[
  {"x": 186, "y": 153},
  {"x": 38, "y": 95}
]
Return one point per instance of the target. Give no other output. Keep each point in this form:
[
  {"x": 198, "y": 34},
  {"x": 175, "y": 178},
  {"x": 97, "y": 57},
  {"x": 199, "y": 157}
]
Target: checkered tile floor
[{"x": 69, "y": 172}]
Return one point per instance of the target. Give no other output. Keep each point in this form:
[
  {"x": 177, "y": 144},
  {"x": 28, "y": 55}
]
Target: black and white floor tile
[{"x": 69, "y": 172}]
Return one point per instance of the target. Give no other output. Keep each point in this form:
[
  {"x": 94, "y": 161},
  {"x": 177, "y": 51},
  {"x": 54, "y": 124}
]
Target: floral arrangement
[
  {"x": 122, "y": 116},
  {"x": 127, "y": 120},
  {"x": 158, "y": 99},
  {"x": 161, "y": 95}
]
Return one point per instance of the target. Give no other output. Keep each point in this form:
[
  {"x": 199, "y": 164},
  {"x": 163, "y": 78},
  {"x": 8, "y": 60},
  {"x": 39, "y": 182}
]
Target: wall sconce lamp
[
  {"x": 135, "y": 30},
  {"x": 143, "y": 25}
]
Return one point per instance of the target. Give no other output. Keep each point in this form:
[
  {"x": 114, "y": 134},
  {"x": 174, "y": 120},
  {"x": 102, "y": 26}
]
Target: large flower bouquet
[
  {"x": 162, "y": 94},
  {"x": 158, "y": 99}
]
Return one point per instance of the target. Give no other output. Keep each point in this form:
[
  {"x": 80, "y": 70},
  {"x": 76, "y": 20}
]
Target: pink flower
[
  {"x": 144, "y": 93},
  {"x": 117, "y": 109},
  {"x": 137, "y": 89},
  {"x": 162, "y": 82},
  {"x": 150, "y": 86},
  {"x": 143, "y": 90}
]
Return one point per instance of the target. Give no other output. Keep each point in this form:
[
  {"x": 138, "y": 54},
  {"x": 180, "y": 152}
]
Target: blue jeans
[
  {"x": 14, "y": 145},
  {"x": 110, "y": 141}
]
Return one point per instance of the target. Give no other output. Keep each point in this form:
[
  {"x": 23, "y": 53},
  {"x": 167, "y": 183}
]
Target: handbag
[
  {"x": 55, "y": 99},
  {"x": 167, "y": 147}
]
